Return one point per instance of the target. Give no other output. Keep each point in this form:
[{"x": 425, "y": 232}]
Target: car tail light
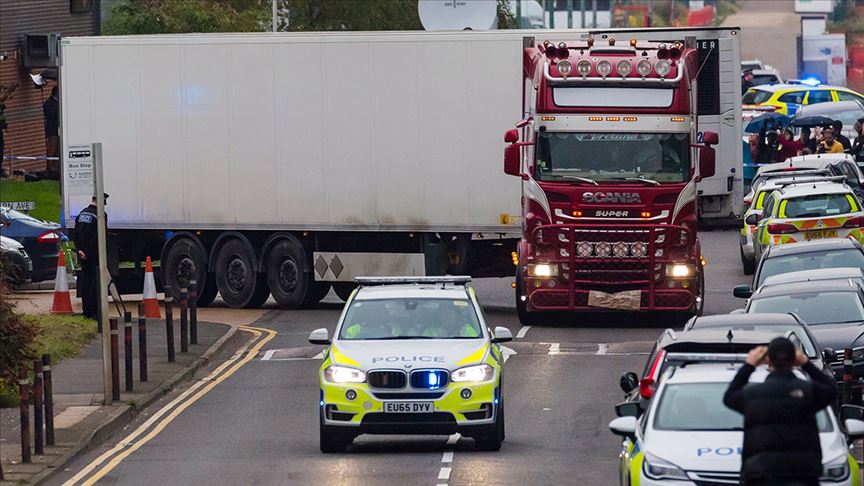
[
  {"x": 856, "y": 222},
  {"x": 781, "y": 228},
  {"x": 748, "y": 199},
  {"x": 49, "y": 237},
  {"x": 646, "y": 388}
]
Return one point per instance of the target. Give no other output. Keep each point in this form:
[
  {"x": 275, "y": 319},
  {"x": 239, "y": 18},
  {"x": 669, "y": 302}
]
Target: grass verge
[
  {"x": 46, "y": 195},
  {"x": 62, "y": 335}
]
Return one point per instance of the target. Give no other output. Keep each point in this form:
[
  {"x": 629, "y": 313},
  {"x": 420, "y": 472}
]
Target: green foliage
[
  {"x": 181, "y": 16},
  {"x": 329, "y": 15},
  {"x": 46, "y": 195},
  {"x": 61, "y": 335},
  {"x": 16, "y": 339},
  {"x": 506, "y": 17}
]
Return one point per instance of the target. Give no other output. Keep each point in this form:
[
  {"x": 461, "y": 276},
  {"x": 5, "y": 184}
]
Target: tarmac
[{"x": 81, "y": 419}]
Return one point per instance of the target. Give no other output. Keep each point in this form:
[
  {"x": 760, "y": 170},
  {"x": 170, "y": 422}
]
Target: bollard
[
  {"x": 169, "y": 324},
  {"x": 142, "y": 344},
  {"x": 184, "y": 323},
  {"x": 115, "y": 360},
  {"x": 847, "y": 376},
  {"x": 193, "y": 312},
  {"x": 127, "y": 349},
  {"x": 38, "y": 412},
  {"x": 24, "y": 396},
  {"x": 48, "y": 399}
]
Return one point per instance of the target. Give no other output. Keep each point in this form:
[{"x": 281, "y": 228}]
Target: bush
[{"x": 16, "y": 339}]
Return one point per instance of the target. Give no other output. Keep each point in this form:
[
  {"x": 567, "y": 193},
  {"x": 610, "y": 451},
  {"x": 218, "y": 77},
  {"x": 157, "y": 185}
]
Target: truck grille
[{"x": 393, "y": 379}]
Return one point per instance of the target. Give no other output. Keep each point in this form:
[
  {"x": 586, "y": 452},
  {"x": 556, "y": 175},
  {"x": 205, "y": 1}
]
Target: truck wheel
[
  {"x": 262, "y": 293},
  {"x": 748, "y": 264},
  {"x": 208, "y": 293},
  {"x": 316, "y": 292},
  {"x": 235, "y": 275},
  {"x": 185, "y": 260},
  {"x": 286, "y": 278},
  {"x": 344, "y": 289}
]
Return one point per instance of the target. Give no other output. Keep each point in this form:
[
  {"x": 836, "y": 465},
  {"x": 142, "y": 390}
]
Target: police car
[
  {"x": 411, "y": 355},
  {"x": 807, "y": 212},
  {"x": 688, "y": 436},
  {"x": 788, "y": 98}
]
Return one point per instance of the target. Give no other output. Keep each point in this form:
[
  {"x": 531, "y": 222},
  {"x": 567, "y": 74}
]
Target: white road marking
[
  {"x": 554, "y": 348},
  {"x": 448, "y": 456},
  {"x": 507, "y": 352},
  {"x": 602, "y": 348},
  {"x": 269, "y": 354},
  {"x": 444, "y": 473},
  {"x": 453, "y": 439},
  {"x": 522, "y": 332}
]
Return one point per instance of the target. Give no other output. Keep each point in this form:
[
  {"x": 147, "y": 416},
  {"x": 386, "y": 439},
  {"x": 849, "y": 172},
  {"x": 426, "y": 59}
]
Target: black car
[
  {"x": 41, "y": 241},
  {"x": 832, "y": 309},
  {"x": 807, "y": 255}
]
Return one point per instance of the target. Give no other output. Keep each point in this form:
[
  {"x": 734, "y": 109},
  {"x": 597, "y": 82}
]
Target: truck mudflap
[{"x": 613, "y": 267}]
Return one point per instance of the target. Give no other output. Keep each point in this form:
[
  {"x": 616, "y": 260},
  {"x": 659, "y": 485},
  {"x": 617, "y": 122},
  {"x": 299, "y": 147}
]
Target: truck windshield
[{"x": 661, "y": 157}]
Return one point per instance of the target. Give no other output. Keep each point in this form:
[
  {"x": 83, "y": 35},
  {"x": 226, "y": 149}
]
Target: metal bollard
[
  {"x": 38, "y": 412},
  {"x": 24, "y": 396},
  {"x": 127, "y": 351},
  {"x": 184, "y": 323},
  {"x": 49, "y": 399},
  {"x": 169, "y": 324},
  {"x": 115, "y": 360},
  {"x": 193, "y": 312},
  {"x": 142, "y": 344},
  {"x": 847, "y": 375}
]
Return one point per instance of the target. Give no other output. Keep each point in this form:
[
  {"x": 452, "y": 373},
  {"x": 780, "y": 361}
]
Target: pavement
[
  {"x": 81, "y": 420},
  {"x": 258, "y": 423}
]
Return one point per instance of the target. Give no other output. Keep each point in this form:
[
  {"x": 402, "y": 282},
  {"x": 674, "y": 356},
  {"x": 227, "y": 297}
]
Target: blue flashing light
[
  {"x": 321, "y": 398},
  {"x": 433, "y": 380},
  {"x": 811, "y": 81}
]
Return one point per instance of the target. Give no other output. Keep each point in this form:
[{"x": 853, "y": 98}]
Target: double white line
[{"x": 95, "y": 471}]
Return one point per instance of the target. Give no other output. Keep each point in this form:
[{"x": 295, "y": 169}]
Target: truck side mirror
[
  {"x": 511, "y": 136},
  {"x": 512, "y": 162},
  {"x": 710, "y": 138},
  {"x": 707, "y": 166}
]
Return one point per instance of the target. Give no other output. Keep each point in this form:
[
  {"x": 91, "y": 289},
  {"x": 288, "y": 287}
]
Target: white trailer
[{"x": 283, "y": 164}]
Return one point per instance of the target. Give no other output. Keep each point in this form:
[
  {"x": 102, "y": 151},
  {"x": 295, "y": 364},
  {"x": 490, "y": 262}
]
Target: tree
[
  {"x": 173, "y": 16},
  {"x": 329, "y": 15}
]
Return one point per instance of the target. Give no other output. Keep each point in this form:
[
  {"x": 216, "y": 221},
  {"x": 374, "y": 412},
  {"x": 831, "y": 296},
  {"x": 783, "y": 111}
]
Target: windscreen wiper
[
  {"x": 577, "y": 178},
  {"x": 639, "y": 179}
]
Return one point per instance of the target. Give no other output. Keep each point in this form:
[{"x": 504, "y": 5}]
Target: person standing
[
  {"x": 781, "y": 437},
  {"x": 51, "y": 112},
  {"x": 808, "y": 141},
  {"x": 828, "y": 145},
  {"x": 746, "y": 81},
  {"x": 857, "y": 149},
  {"x": 789, "y": 147},
  {"x": 87, "y": 245},
  {"x": 837, "y": 128}
]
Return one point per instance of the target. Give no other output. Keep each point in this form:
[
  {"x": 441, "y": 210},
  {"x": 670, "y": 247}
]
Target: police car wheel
[
  {"x": 748, "y": 264},
  {"x": 492, "y": 440},
  {"x": 286, "y": 278},
  {"x": 331, "y": 439}
]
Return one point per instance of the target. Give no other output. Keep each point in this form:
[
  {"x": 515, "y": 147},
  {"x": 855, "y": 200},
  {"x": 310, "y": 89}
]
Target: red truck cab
[{"x": 609, "y": 163}]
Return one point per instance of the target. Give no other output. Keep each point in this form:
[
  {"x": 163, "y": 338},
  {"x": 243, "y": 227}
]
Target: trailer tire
[
  {"x": 287, "y": 279},
  {"x": 316, "y": 292},
  {"x": 208, "y": 292},
  {"x": 236, "y": 278},
  {"x": 344, "y": 290},
  {"x": 185, "y": 260}
]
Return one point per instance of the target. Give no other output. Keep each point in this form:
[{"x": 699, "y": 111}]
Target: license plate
[
  {"x": 408, "y": 407},
  {"x": 820, "y": 234}
]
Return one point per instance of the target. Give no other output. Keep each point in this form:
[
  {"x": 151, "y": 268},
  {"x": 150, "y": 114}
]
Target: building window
[{"x": 80, "y": 6}]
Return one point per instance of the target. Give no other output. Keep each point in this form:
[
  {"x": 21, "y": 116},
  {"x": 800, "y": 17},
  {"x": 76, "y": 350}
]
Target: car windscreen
[
  {"x": 814, "y": 308},
  {"x": 699, "y": 407},
  {"x": 775, "y": 329},
  {"x": 567, "y": 156},
  {"x": 816, "y": 205},
  {"x": 410, "y": 319},
  {"x": 775, "y": 265},
  {"x": 765, "y": 79},
  {"x": 755, "y": 96}
]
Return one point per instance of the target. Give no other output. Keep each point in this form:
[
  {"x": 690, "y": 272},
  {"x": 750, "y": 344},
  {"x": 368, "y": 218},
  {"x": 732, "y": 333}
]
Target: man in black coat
[
  {"x": 838, "y": 135},
  {"x": 858, "y": 144},
  {"x": 781, "y": 437},
  {"x": 87, "y": 245}
]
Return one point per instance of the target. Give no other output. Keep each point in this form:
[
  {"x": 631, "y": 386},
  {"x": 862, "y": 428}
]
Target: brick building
[{"x": 25, "y": 132}]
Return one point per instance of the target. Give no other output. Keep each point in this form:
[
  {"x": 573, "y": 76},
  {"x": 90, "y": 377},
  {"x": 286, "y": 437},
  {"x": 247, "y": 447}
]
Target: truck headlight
[
  {"x": 836, "y": 470},
  {"x": 343, "y": 374},
  {"x": 543, "y": 270},
  {"x": 656, "y": 468},
  {"x": 481, "y": 372},
  {"x": 680, "y": 270}
]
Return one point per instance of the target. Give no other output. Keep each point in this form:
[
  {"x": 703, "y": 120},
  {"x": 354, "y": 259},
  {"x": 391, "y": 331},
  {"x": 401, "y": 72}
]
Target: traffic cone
[
  {"x": 151, "y": 302},
  {"x": 62, "y": 300}
]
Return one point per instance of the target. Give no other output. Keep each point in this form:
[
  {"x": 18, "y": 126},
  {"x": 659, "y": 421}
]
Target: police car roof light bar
[
  {"x": 806, "y": 180},
  {"x": 443, "y": 279}
]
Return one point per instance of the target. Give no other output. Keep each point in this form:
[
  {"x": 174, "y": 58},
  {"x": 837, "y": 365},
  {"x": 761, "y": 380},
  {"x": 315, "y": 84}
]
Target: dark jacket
[
  {"x": 844, "y": 141},
  {"x": 86, "y": 234},
  {"x": 858, "y": 148},
  {"x": 781, "y": 438},
  {"x": 51, "y": 111}
]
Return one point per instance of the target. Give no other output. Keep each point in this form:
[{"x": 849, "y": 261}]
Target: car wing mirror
[
  {"x": 742, "y": 291},
  {"x": 628, "y": 409},
  {"x": 319, "y": 336},
  {"x": 502, "y": 335},
  {"x": 851, "y": 412},
  {"x": 752, "y": 219},
  {"x": 624, "y": 426},
  {"x": 737, "y": 312},
  {"x": 628, "y": 382},
  {"x": 854, "y": 429}
]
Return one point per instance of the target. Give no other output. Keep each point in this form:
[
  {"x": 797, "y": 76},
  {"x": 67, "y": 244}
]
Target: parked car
[
  {"x": 41, "y": 240},
  {"x": 848, "y": 112},
  {"x": 837, "y": 164},
  {"x": 767, "y": 75},
  {"x": 15, "y": 264},
  {"x": 817, "y": 275},
  {"x": 789, "y": 98}
]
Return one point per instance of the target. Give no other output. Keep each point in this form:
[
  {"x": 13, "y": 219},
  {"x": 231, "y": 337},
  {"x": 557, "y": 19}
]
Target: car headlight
[
  {"x": 836, "y": 470},
  {"x": 481, "y": 372},
  {"x": 857, "y": 354},
  {"x": 656, "y": 468},
  {"x": 680, "y": 270},
  {"x": 542, "y": 270},
  {"x": 343, "y": 374}
]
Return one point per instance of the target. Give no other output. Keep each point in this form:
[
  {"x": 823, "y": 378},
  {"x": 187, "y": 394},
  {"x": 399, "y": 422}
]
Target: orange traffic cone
[
  {"x": 151, "y": 303},
  {"x": 62, "y": 300}
]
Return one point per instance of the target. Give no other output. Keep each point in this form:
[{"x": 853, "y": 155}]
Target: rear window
[
  {"x": 795, "y": 97},
  {"x": 764, "y": 79},
  {"x": 809, "y": 261},
  {"x": 814, "y": 308},
  {"x": 755, "y": 97},
  {"x": 816, "y": 205},
  {"x": 819, "y": 96}
]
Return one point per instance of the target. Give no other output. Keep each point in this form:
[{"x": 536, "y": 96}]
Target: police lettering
[
  {"x": 408, "y": 359},
  {"x": 720, "y": 451}
]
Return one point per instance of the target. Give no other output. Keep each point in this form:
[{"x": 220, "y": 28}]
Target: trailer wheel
[
  {"x": 208, "y": 292},
  {"x": 235, "y": 275},
  {"x": 288, "y": 281},
  {"x": 185, "y": 260},
  {"x": 344, "y": 289},
  {"x": 317, "y": 291}
]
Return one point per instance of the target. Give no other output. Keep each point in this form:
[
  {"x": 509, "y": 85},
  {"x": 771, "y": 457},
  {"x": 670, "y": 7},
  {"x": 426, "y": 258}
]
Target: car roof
[
  {"x": 773, "y": 88},
  {"x": 711, "y": 373},
  {"x": 772, "y": 183},
  {"x": 829, "y": 107},
  {"x": 412, "y": 291},
  {"x": 815, "y": 275},
  {"x": 731, "y": 320},
  {"x": 715, "y": 335},
  {"x": 812, "y": 246},
  {"x": 809, "y": 188},
  {"x": 801, "y": 162},
  {"x": 836, "y": 285}
]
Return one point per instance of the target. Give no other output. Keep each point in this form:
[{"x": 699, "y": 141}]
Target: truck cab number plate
[{"x": 407, "y": 407}]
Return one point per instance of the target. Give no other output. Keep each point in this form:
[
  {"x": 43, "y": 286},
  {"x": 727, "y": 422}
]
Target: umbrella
[
  {"x": 769, "y": 120},
  {"x": 813, "y": 121}
]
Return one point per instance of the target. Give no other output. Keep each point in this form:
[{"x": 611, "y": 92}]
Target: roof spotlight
[
  {"x": 662, "y": 68},
  {"x": 565, "y": 68},
  {"x": 583, "y": 68},
  {"x": 643, "y": 67},
  {"x": 604, "y": 68},
  {"x": 624, "y": 68}
]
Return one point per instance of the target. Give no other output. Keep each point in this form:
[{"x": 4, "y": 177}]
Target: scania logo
[{"x": 611, "y": 197}]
